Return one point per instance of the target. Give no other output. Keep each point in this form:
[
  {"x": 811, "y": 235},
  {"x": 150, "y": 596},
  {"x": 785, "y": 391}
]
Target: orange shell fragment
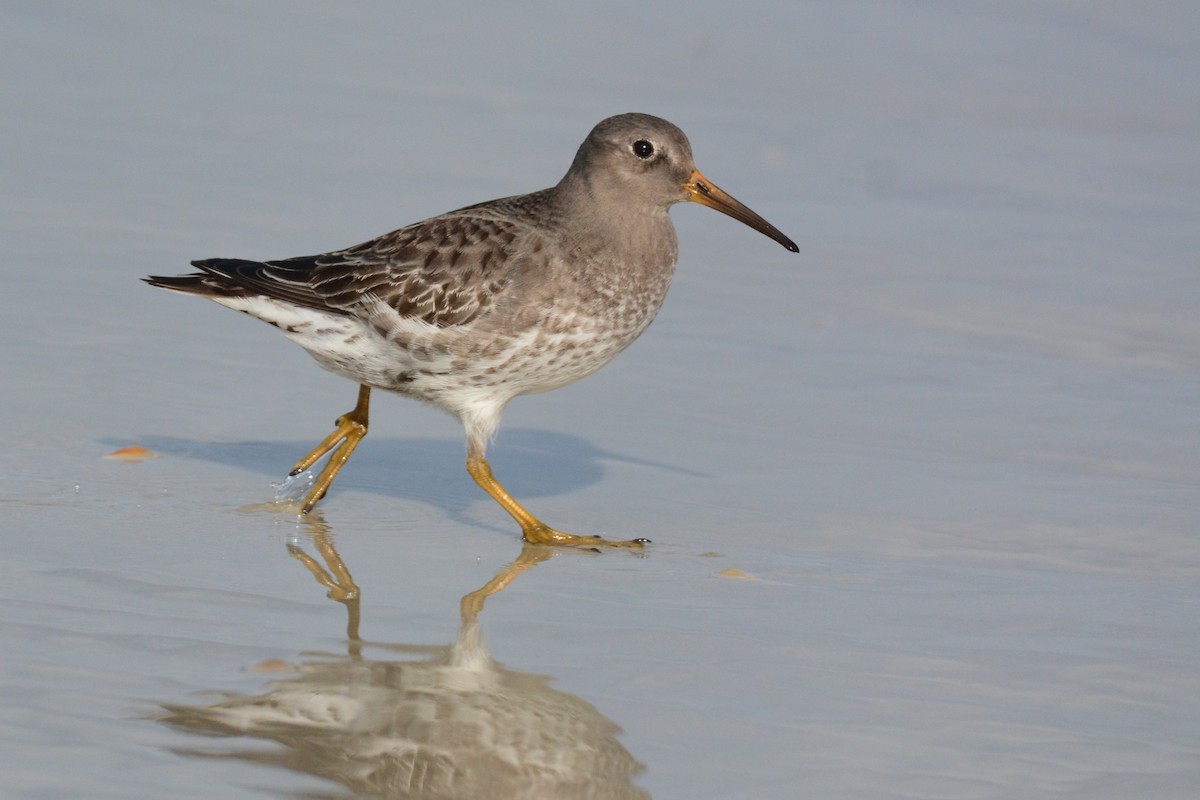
[{"x": 132, "y": 454}]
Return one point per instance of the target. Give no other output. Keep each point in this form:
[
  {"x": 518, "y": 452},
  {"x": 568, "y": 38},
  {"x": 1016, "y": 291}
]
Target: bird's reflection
[{"x": 450, "y": 724}]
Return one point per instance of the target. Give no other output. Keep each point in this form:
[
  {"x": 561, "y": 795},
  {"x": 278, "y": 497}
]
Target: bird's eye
[{"x": 643, "y": 149}]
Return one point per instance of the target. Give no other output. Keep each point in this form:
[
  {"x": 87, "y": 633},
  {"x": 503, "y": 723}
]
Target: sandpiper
[{"x": 472, "y": 308}]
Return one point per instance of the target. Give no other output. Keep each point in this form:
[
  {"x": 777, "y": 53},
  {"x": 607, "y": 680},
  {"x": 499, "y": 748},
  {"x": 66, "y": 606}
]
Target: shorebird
[{"x": 472, "y": 308}]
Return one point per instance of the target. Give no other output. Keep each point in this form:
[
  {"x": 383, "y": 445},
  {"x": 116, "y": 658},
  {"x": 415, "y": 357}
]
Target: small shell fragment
[
  {"x": 736, "y": 574},
  {"x": 132, "y": 454}
]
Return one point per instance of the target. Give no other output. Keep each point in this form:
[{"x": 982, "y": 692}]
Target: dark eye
[{"x": 643, "y": 149}]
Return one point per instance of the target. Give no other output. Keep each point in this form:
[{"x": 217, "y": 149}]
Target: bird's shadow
[{"x": 529, "y": 462}]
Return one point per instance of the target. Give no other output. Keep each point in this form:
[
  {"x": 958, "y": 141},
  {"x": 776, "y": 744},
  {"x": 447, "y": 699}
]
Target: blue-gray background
[{"x": 954, "y": 441}]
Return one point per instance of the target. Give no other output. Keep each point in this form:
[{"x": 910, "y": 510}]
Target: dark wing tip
[
  {"x": 212, "y": 282},
  {"x": 178, "y": 282}
]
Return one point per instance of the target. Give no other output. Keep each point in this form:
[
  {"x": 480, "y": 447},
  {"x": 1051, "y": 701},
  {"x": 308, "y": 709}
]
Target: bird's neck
[{"x": 598, "y": 219}]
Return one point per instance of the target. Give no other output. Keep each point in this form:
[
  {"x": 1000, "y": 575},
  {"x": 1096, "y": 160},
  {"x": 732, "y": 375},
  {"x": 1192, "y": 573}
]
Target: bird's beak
[{"x": 703, "y": 191}]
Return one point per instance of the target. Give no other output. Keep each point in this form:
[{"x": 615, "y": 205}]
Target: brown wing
[{"x": 445, "y": 271}]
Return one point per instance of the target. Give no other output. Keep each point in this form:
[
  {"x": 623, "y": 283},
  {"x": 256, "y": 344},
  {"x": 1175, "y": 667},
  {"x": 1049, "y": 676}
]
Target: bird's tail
[{"x": 219, "y": 278}]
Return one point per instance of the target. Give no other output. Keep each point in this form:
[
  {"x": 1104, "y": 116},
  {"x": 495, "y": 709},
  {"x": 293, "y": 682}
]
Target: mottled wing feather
[{"x": 445, "y": 271}]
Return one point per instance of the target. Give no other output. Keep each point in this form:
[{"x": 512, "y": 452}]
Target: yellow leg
[
  {"x": 351, "y": 428},
  {"x": 533, "y": 530}
]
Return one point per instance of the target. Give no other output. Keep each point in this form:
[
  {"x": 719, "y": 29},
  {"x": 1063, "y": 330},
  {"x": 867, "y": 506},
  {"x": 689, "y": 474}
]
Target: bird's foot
[{"x": 541, "y": 533}]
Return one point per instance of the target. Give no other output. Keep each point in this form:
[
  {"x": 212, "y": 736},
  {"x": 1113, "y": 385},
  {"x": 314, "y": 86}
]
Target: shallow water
[{"x": 952, "y": 444}]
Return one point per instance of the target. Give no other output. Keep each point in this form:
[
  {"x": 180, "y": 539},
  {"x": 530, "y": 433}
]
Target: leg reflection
[
  {"x": 441, "y": 721},
  {"x": 334, "y": 576}
]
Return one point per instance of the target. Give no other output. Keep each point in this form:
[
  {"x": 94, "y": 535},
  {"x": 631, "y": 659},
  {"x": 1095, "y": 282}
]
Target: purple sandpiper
[{"x": 472, "y": 308}]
